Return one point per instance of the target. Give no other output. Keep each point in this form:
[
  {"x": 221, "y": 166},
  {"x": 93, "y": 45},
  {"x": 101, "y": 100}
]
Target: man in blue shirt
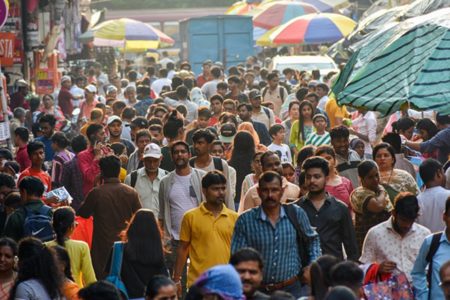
[
  {"x": 268, "y": 229},
  {"x": 47, "y": 125},
  {"x": 442, "y": 255}
]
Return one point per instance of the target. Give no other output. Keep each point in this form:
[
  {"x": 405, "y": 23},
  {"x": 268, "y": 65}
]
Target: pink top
[{"x": 341, "y": 191}]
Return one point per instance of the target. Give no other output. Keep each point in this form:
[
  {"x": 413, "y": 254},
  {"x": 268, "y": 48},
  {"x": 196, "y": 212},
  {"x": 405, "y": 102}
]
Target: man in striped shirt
[
  {"x": 320, "y": 136},
  {"x": 267, "y": 229}
]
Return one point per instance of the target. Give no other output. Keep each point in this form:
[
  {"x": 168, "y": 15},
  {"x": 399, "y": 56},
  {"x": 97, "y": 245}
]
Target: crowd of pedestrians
[{"x": 237, "y": 183}]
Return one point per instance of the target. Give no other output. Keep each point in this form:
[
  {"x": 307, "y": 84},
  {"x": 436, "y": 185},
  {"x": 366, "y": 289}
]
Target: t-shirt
[
  {"x": 283, "y": 152},
  {"x": 317, "y": 140},
  {"x": 181, "y": 201},
  {"x": 41, "y": 175},
  {"x": 32, "y": 289}
]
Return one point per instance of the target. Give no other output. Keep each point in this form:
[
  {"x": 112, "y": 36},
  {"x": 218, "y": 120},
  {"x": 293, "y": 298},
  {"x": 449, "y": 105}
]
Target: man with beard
[
  {"x": 270, "y": 161},
  {"x": 179, "y": 191},
  {"x": 347, "y": 159},
  {"x": 329, "y": 216},
  {"x": 269, "y": 230},
  {"x": 249, "y": 264},
  {"x": 205, "y": 230},
  {"x": 114, "y": 124}
]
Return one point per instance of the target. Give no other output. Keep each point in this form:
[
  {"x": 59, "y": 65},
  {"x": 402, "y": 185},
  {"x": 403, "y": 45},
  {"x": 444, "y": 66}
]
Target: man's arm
[
  {"x": 89, "y": 168},
  {"x": 87, "y": 206},
  {"x": 418, "y": 273},
  {"x": 369, "y": 249},
  {"x": 349, "y": 236},
  {"x": 314, "y": 246}
]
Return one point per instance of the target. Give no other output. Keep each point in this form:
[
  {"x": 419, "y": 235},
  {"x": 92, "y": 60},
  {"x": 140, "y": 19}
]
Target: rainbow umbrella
[
  {"x": 264, "y": 40},
  {"x": 327, "y": 5},
  {"x": 127, "y": 34},
  {"x": 242, "y": 7},
  {"x": 313, "y": 29},
  {"x": 277, "y": 13}
]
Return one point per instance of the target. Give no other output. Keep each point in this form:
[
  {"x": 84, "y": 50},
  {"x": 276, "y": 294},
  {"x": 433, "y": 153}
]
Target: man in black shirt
[{"x": 329, "y": 216}]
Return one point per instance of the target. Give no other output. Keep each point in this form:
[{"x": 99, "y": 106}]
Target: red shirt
[
  {"x": 65, "y": 101},
  {"x": 213, "y": 121},
  {"x": 22, "y": 158},
  {"x": 89, "y": 168},
  {"x": 43, "y": 176}
]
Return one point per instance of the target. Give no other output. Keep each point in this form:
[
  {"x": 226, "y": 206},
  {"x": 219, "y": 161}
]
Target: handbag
[
  {"x": 116, "y": 267},
  {"x": 397, "y": 287}
]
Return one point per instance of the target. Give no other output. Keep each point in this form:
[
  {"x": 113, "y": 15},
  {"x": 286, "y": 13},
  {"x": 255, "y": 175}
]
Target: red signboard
[{"x": 7, "y": 49}]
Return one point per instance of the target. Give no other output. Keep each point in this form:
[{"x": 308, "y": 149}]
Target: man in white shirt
[
  {"x": 158, "y": 84},
  {"x": 147, "y": 180},
  {"x": 432, "y": 199},
  {"x": 365, "y": 128},
  {"x": 165, "y": 59},
  {"x": 182, "y": 95},
  {"x": 260, "y": 113},
  {"x": 77, "y": 91},
  {"x": 210, "y": 88},
  {"x": 395, "y": 243}
]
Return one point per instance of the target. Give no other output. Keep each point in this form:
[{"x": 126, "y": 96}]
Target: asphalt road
[{"x": 164, "y": 15}]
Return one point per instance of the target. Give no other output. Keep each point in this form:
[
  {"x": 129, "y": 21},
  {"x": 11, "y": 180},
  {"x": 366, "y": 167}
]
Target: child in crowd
[
  {"x": 277, "y": 132},
  {"x": 320, "y": 136}
]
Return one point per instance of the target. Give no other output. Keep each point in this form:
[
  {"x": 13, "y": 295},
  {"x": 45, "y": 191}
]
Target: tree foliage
[{"x": 160, "y": 4}]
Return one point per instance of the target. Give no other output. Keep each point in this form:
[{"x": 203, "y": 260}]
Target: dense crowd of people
[{"x": 237, "y": 183}]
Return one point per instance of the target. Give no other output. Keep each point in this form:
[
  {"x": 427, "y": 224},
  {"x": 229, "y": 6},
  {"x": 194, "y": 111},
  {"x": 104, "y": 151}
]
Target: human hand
[{"x": 387, "y": 267}]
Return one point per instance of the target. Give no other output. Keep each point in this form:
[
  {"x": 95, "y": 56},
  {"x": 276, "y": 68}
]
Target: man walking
[
  {"x": 147, "y": 179},
  {"x": 269, "y": 230},
  {"x": 329, "y": 216},
  {"x": 111, "y": 204},
  {"x": 206, "y": 229}
]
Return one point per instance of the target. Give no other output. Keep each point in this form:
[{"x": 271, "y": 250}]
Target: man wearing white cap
[
  {"x": 89, "y": 103},
  {"x": 146, "y": 180},
  {"x": 65, "y": 97},
  {"x": 114, "y": 125},
  {"x": 18, "y": 98}
]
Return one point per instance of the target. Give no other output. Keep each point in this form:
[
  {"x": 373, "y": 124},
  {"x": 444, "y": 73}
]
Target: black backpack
[{"x": 38, "y": 223}]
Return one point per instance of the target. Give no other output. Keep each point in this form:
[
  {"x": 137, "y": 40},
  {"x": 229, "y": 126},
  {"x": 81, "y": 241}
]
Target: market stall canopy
[
  {"x": 404, "y": 62},
  {"x": 127, "y": 34},
  {"x": 280, "y": 12},
  {"x": 318, "y": 28}
]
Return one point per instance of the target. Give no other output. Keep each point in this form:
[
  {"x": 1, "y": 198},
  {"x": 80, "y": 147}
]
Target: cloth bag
[
  {"x": 116, "y": 267},
  {"x": 397, "y": 287}
]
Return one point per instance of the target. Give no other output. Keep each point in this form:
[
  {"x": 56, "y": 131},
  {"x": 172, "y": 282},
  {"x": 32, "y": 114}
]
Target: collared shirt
[
  {"x": 419, "y": 272},
  {"x": 348, "y": 166},
  {"x": 210, "y": 88},
  {"x": 252, "y": 199},
  {"x": 72, "y": 180},
  {"x": 22, "y": 158},
  {"x": 334, "y": 225},
  {"x": 142, "y": 106},
  {"x": 89, "y": 168},
  {"x": 276, "y": 243},
  {"x": 192, "y": 108},
  {"x": 209, "y": 238},
  {"x": 265, "y": 116},
  {"x": 404, "y": 164},
  {"x": 432, "y": 205},
  {"x": 148, "y": 190},
  {"x": 384, "y": 243}
]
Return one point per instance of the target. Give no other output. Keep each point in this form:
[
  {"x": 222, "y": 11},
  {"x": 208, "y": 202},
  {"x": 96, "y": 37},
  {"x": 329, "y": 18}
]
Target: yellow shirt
[
  {"x": 80, "y": 261},
  {"x": 334, "y": 111},
  {"x": 122, "y": 175},
  {"x": 209, "y": 238}
]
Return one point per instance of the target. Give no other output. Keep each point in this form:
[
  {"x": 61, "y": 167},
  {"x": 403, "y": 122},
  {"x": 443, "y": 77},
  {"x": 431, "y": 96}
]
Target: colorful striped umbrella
[
  {"x": 277, "y": 13},
  {"x": 407, "y": 62},
  {"x": 242, "y": 7},
  {"x": 327, "y": 5},
  {"x": 126, "y": 33},
  {"x": 313, "y": 29}
]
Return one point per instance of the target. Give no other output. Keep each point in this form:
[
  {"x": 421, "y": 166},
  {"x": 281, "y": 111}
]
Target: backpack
[
  {"x": 302, "y": 239},
  {"x": 217, "y": 163},
  {"x": 116, "y": 268},
  {"x": 280, "y": 89},
  {"x": 133, "y": 177},
  {"x": 434, "y": 246},
  {"x": 38, "y": 223}
]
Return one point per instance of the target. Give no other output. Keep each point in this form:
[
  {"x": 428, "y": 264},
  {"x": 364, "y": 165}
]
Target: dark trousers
[{"x": 170, "y": 259}]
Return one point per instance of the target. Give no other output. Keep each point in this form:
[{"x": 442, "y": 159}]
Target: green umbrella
[{"x": 404, "y": 62}]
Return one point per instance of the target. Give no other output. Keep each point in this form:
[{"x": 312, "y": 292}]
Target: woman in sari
[
  {"x": 393, "y": 180},
  {"x": 370, "y": 202}
]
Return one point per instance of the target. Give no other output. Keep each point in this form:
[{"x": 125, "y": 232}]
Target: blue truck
[{"x": 224, "y": 38}]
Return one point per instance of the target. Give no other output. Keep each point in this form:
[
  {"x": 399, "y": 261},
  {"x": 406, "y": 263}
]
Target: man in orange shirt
[{"x": 36, "y": 154}]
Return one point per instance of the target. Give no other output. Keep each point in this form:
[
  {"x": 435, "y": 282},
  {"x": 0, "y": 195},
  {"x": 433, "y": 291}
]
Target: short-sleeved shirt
[
  {"x": 41, "y": 175},
  {"x": 334, "y": 111},
  {"x": 209, "y": 238}
]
